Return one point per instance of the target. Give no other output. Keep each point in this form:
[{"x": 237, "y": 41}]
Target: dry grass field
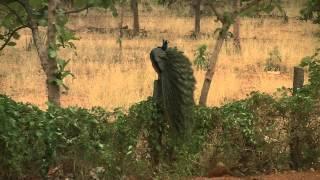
[{"x": 104, "y": 79}]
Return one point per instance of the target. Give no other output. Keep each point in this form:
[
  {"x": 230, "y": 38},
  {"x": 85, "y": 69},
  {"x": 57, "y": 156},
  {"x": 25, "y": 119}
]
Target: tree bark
[
  {"x": 48, "y": 65},
  {"x": 135, "y": 12},
  {"x": 212, "y": 64},
  {"x": 67, "y": 4},
  {"x": 122, "y": 4},
  {"x": 121, "y": 25},
  {"x": 51, "y": 68},
  {"x": 236, "y": 27},
  {"x": 197, "y": 16}
]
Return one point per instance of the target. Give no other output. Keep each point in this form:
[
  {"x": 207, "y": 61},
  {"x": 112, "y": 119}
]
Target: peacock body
[{"x": 177, "y": 85}]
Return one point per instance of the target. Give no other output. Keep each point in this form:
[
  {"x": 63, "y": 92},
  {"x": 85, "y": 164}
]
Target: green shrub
[
  {"x": 273, "y": 61},
  {"x": 201, "y": 58},
  {"x": 21, "y": 142},
  {"x": 250, "y": 136}
]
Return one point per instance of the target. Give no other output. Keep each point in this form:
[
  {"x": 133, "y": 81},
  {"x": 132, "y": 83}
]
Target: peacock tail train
[{"x": 177, "y": 86}]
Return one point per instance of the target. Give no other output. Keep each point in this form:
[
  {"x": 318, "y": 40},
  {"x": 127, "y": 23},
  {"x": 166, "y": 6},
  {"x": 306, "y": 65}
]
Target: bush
[
  {"x": 21, "y": 142},
  {"x": 33, "y": 141},
  {"x": 201, "y": 58},
  {"x": 273, "y": 61},
  {"x": 257, "y": 134}
]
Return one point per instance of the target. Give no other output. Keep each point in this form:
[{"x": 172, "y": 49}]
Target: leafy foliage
[
  {"x": 250, "y": 136},
  {"x": 17, "y": 14},
  {"x": 311, "y": 11},
  {"x": 273, "y": 61},
  {"x": 313, "y": 64},
  {"x": 201, "y": 58}
]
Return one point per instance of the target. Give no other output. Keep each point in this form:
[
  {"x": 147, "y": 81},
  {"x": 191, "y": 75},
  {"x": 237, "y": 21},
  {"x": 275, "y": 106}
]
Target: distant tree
[
  {"x": 167, "y": 2},
  {"x": 122, "y": 6},
  {"x": 196, "y": 4},
  {"x": 135, "y": 13},
  {"x": 236, "y": 27},
  {"x": 19, "y": 14},
  {"x": 227, "y": 18},
  {"x": 311, "y": 11},
  {"x": 68, "y": 3}
]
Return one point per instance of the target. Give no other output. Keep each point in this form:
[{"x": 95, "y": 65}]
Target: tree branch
[
  {"x": 10, "y": 34},
  {"x": 216, "y": 12},
  {"x": 249, "y": 5},
  {"x": 26, "y": 7},
  {"x": 79, "y": 10},
  {"x": 19, "y": 18}
]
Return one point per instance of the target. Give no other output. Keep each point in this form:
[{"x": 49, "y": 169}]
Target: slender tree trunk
[
  {"x": 51, "y": 68},
  {"x": 48, "y": 65},
  {"x": 236, "y": 27},
  {"x": 135, "y": 12},
  {"x": 67, "y": 3},
  {"x": 121, "y": 25},
  {"x": 212, "y": 65},
  {"x": 197, "y": 16},
  {"x": 122, "y": 4}
]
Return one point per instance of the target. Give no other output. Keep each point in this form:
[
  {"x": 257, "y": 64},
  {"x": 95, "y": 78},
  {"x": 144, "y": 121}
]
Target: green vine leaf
[
  {"x": 11, "y": 43},
  {"x": 52, "y": 53}
]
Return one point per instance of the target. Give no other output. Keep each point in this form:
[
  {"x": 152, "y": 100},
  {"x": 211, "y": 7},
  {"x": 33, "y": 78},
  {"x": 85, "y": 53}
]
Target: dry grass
[{"x": 102, "y": 81}]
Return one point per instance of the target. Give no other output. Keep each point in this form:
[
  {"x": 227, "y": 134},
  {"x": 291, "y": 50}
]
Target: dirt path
[{"x": 280, "y": 176}]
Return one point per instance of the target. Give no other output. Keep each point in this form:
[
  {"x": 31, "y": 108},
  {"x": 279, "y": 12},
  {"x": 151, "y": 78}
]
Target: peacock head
[{"x": 164, "y": 44}]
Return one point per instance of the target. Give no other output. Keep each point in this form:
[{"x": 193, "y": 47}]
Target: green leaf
[
  {"x": 62, "y": 19},
  {"x": 58, "y": 82},
  {"x": 8, "y": 21},
  {"x": 11, "y": 43},
  {"x": 62, "y": 63},
  {"x": 305, "y": 61},
  {"x": 43, "y": 22},
  {"x": 37, "y": 3},
  {"x": 52, "y": 53}
]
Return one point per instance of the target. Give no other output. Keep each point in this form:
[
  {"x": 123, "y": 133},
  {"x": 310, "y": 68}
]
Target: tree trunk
[
  {"x": 212, "y": 65},
  {"x": 197, "y": 16},
  {"x": 121, "y": 25},
  {"x": 49, "y": 65},
  {"x": 69, "y": 4},
  {"x": 120, "y": 31},
  {"x": 236, "y": 27},
  {"x": 135, "y": 12}
]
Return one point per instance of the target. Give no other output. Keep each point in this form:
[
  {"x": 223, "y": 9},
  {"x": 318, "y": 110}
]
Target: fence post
[{"x": 294, "y": 124}]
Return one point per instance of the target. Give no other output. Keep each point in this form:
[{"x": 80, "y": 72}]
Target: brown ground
[{"x": 291, "y": 175}]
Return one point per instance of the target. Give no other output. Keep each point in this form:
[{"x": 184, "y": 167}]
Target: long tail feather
[{"x": 178, "y": 84}]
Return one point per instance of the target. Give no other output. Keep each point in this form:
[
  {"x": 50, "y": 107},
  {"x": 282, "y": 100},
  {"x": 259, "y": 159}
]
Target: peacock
[{"x": 177, "y": 83}]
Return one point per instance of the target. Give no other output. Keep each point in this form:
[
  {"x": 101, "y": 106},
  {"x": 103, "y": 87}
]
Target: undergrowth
[{"x": 253, "y": 135}]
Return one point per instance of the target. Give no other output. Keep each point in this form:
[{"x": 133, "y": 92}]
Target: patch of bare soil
[{"x": 291, "y": 175}]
